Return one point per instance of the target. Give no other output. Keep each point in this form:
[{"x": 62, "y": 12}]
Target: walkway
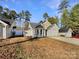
[{"x": 68, "y": 40}]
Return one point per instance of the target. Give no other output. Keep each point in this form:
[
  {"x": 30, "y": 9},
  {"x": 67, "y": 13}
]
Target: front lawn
[{"x": 41, "y": 48}]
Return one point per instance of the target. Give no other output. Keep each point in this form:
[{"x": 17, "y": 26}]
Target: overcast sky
[{"x": 36, "y": 7}]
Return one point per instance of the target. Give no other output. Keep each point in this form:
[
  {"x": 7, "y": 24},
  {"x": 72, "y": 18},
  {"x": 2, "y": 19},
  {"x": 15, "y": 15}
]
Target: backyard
[{"x": 40, "y": 48}]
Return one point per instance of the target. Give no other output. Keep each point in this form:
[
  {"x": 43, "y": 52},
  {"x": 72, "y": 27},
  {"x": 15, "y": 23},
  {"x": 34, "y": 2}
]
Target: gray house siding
[
  {"x": 1, "y": 32},
  {"x": 8, "y": 32},
  {"x": 53, "y": 30}
]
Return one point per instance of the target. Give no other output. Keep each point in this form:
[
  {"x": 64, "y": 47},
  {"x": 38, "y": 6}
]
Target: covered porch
[{"x": 40, "y": 31}]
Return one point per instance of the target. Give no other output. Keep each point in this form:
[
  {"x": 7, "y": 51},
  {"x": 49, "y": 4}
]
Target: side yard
[
  {"x": 74, "y": 41},
  {"x": 40, "y": 48}
]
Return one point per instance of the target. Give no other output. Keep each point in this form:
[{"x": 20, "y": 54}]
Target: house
[
  {"x": 44, "y": 29},
  {"x": 5, "y": 28},
  {"x": 29, "y": 29},
  {"x": 66, "y": 32}
]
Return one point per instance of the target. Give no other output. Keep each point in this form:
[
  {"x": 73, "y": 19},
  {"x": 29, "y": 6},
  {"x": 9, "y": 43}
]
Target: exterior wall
[
  {"x": 53, "y": 31},
  {"x": 8, "y": 32},
  {"x": 66, "y": 34},
  {"x": 13, "y": 24},
  {"x": 29, "y": 32},
  {"x": 1, "y": 32},
  {"x": 4, "y": 32},
  {"x": 46, "y": 24},
  {"x": 69, "y": 33},
  {"x": 62, "y": 34}
]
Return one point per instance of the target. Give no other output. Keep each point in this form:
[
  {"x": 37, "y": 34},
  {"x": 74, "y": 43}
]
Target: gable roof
[
  {"x": 7, "y": 21},
  {"x": 46, "y": 24},
  {"x": 39, "y": 26},
  {"x": 3, "y": 23},
  {"x": 33, "y": 25},
  {"x": 54, "y": 26},
  {"x": 64, "y": 29}
]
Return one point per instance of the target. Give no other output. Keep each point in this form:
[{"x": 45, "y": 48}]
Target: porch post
[
  {"x": 44, "y": 33},
  {"x": 4, "y": 32},
  {"x": 39, "y": 33},
  {"x": 35, "y": 32}
]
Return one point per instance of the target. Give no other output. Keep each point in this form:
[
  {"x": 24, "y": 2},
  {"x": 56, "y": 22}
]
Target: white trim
[
  {"x": 3, "y": 23},
  {"x": 4, "y": 32}
]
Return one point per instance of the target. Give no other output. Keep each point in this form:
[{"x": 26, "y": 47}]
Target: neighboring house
[
  {"x": 5, "y": 28},
  {"x": 66, "y": 32},
  {"x": 29, "y": 29},
  {"x": 44, "y": 29}
]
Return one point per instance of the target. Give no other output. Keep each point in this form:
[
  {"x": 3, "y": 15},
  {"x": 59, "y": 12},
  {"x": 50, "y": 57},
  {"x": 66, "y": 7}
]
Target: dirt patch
[
  {"x": 46, "y": 48},
  {"x": 8, "y": 52},
  {"x": 12, "y": 41},
  {"x": 41, "y": 48}
]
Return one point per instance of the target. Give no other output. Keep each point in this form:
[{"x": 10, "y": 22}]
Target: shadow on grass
[
  {"x": 16, "y": 36},
  {"x": 31, "y": 39},
  {"x": 11, "y": 37},
  {"x": 35, "y": 38}
]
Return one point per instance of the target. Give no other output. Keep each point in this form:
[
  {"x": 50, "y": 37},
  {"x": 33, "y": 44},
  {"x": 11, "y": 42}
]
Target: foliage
[
  {"x": 70, "y": 18},
  {"x": 45, "y": 16},
  {"x": 25, "y": 15},
  {"x": 1, "y": 9},
  {"x": 65, "y": 13},
  {"x": 13, "y": 14},
  {"x": 63, "y": 5},
  {"x": 65, "y": 17},
  {"x": 6, "y": 13},
  {"x": 7, "y": 10},
  {"x": 53, "y": 20},
  {"x": 75, "y": 14}
]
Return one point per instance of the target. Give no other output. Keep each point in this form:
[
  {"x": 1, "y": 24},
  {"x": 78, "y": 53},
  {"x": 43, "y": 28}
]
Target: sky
[{"x": 36, "y": 7}]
